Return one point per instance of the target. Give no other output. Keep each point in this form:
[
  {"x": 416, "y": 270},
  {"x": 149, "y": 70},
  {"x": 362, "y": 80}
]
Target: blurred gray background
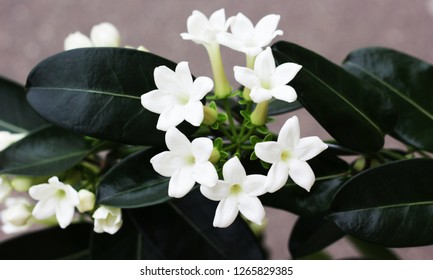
[{"x": 32, "y": 30}]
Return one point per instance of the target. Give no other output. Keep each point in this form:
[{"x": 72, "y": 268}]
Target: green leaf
[
  {"x": 96, "y": 92},
  {"x": 44, "y": 152},
  {"x": 133, "y": 183},
  {"x": 278, "y": 107},
  {"x": 16, "y": 115},
  {"x": 371, "y": 251},
  {"x": 48, "y": 244},
  {"x": 391, "y": 205},
  {"x": 408, "y": 81},
  {"x": 350, "y": 110},
  {"x": 311, "y": 235},
  {"x": 182, "y": 229}
]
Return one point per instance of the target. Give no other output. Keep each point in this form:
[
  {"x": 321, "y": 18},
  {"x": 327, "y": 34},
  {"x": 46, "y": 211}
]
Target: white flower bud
[
  {"x": 77, "y": 40},
  {"x": 18, "y": 211},
  {"x": 87, "y": 201},
  {"x": 105, "y": 35},
  {"x": 107, "y": 219}
]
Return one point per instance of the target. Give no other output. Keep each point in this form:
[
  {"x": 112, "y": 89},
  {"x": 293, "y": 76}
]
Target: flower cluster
[{"x": 202, "y": 161}]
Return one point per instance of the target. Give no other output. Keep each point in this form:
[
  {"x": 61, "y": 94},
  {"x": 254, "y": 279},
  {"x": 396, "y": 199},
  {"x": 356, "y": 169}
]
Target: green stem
[
  {"x": 250, "y": 64},
  {"x": 230, "y": 119},
  {"x": 222, "y": 86}
]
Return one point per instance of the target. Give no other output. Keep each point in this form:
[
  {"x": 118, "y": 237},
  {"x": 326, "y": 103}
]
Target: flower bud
[
  {"x": 21, "y": 184},
  {"x": 18, "y": 211},
  {"x": 105, "y": 35},
  {"x": 87, "y": 201},
  {"x": 215, "y": 156},
  {"x": 107, "y": 219},
  {"x": 260, "y": 114},
  {"x": 210, "y": 116},
  {"x": 77, "y": 40}
]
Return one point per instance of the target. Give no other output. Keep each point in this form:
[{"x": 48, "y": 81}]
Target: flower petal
[
  {"x": 77, "y": 40},
  {"x": 64, "y": 213},
  {"x": 201, "y": 149},
  {"x": 269, "y": 152},
  {"x": 45, "y": 208},
  {"x": 302, "y": 174},
  {"x": 218, "y": 192},
  {"x": 226, "y": 212},
  {"x": 197, "y": 23},
  {"x": 200, "y": 87},
  {"x": 230, "y": 41},
  {"x": 184, "y": 75},
  {"x": 246, "y": 77},
  {"x": 242, "y": 27},
  {"x": 289, "y": 134},
  {"x": 284, "y": 73},
  {"x": 193, "y": 113},
  {"x": 264, "y": 65},
  {"x": 181, "y": 183},
  {"x": 259, "y": 95},
  {"x": 277, "y": 177},
  {"x": 42, "y": 191},
  {"x": 177, "y": 142},
  {"x": 251, "y": 208},
  {"x": 157, "y": 101},
  {"x": 218, "y": 20},
  {"x": 265, "y": 30},
  {"x": 166, "y": 163},
  {"x": 233, "y": 171},
  {"x": 205, "y": 173},
  {"x": 166, "y": 79},
  {"x": 170, "y": 117},
  {"x": 254, "y": 185},
  {"x": 309, "y": 147},
  {"x": 285, "y": 93}
]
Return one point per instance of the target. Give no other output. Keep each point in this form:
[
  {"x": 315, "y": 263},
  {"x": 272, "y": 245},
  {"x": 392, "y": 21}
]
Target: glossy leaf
[
  {"x": 44, "y": 152},
  {"x": 408, "y": 81},
  {"x": 311, "y": 235},
  {"x": 347, "y": 108},
  {"x": 278, "y": 107},
  {"x": 182, "y": 229},
  {"x": 133, "y": 183},
  {"x": 97, "y": 91},
  {"x": 391, "y": 205},
  {"x": 49, "y": 244},
  {"x": 371, "y": 251},
  {"x": 16, "y": 115}
]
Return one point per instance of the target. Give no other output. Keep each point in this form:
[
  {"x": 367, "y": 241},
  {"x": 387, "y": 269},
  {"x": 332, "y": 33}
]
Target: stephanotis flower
[
  {"x": 17, "y": 215},
  {"x": 107, "y": 219},
  {"x": 236, "y": 193},
  {"x": 266, "y": 80},
  {"x": 186, "y": 163},
  {"x": 102, "y": 35},
  {"x": 247, "y": 38},
  {"x": 177, "y": 97},
  {"x": 288, "y": 156},
  {"x": 55, "y": 198}
]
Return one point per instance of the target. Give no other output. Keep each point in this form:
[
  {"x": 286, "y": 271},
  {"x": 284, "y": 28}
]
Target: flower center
[
  {"x": 60, "y": 194},
  {"x": 190, "y": 160},
  {"x": 285, "y": 155},
  {"x": 236, "y": 189}
]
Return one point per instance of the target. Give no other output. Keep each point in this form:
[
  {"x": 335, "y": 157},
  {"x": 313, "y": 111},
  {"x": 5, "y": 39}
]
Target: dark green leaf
[
  {"x": 408, "y": 81},
  {"x": 44, "y": 152},
  {"x": 182, "y": 229},
  {"x": 391, "y": 205},
  {"x": 371, "y": 251},
  {"x": 97, "y": 91},
  {"x": 48, "y": 244},
  {"x": 310, "y": 235},
  {"x": 16, "y": 115},
  {"x": 347, "y": 108},
  {"x": 278, "y": 107},
  {"x": 133, "y": 183}
]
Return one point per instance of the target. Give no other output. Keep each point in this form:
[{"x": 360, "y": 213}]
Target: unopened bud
[
  {"x": 21, "y": 184},
  {"x": 210, "y": 115},
  {"x": 214, "y": 156},
  {"x": 87, "y": 201},
  {"x": 105, "y": 35},
  {"x": 260, "y": 114}
]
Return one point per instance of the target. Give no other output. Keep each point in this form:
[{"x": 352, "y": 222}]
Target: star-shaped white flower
[
  {"x": 5, "y": 189},
  {"x": 247, "y": 38},
  {"x": 55, "y": 198},
  {"x": 186, "y": 163},
  {"x": 107, "y": 219},
  {"x": 7, "y": 138},
  {"x": 102, "y": 35},
  {"x": 202, "y": 30},
  {"x": 288, "y": 157},
  {"x": 236, "y": 193},
  {"x": 17, "y": 215},
  {"x": 266, "y": 80},
  {"x": 178, "y": 97}
]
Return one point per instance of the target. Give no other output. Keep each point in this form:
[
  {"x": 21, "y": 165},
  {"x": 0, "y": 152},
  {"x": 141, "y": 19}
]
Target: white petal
[
  {"x": 254, "y": 185},
  {"x": 233, "y": 171},
  {"x": 197, "y": 24},
  {"x": 205, "y": 173},
  {"x": 64, "y": 213},
  {"x": 259, "y": 95},
  {"x": 42, "y": 191},
  {"x": 218, "y": 192},
  {"x": 71, "y": 196},
  {"x": 269, "y": 152},
  {"x": 170, "y": 117},
  {"x": 166, "y": 163},
  {"x": 226, "y": 212},
  {"x": 77, "y": 40},
  {"x": 105, "y": 35},
  {"x": 309, "y": 147},
  {"x": 302, "y": 174},
  {"x": 200, "y": 87},
  {"x": 264, "y": 65},
  {"x": 45, "y": 208},
  {"x": 246, "y": 77},
  {"x": 265, "y": 29},
  {"x": 242, "y": 27},
  {"x": 277, "y": 177},
  {"x": 284, "y": 73},
  {"x": 218, "y": 20},
  {"x": 201, "y": 40},
  {"x": 285, "y": 93},
  {"x": 177, "y": 142},
  {"x": 184, "y": 74},
  {"x": 251, "y": 208},
  {"x": 181, "y": 183},
  {"x": 201, "y": 149},
  {"x": 230, "y": 41},
  {"x": 166, "y": 79},
  {"x": 157, "y": 101},
  {"x": 193, "y": 113},
  {"x": 289, "y": 134}
]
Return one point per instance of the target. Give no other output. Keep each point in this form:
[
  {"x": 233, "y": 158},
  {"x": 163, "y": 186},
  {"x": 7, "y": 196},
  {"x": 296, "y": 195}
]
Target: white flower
[
  {"x": 7, "y": 138},
  {"x": 102, "y": 35},
  {"x": 87, "y": 201},
  {"x": 246, "y": 38},
  {"x": 5, "y": 189},
  {"x": 186, "y": 163},
  {"x": 237, "y": 193},
  {"x": 55, "y": 198},
  {"x": 177, "y": 97},
  {"x": 202, "y": 30},
  {"x": 289, "y": 155},
  {"x": 16, "y": 216},
  {"x": 107, "y": 219},
  {"x": 266, "y": 80}
]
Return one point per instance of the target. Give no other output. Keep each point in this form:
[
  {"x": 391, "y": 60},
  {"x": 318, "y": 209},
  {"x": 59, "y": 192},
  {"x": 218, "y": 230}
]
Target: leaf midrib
[
  {"x": 405, "y": 204},
  {"x": 121, "y": 95}
]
